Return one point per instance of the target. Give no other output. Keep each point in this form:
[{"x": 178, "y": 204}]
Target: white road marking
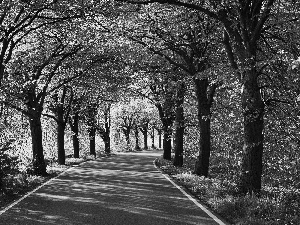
[
  {"x": 167, "y": 177},
  {"x": 31, "y": 192},
  {"x": 220, "y": 222}
]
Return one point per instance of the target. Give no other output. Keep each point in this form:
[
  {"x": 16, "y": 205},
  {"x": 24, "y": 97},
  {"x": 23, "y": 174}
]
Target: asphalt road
[{"x": 125, "y": 189}]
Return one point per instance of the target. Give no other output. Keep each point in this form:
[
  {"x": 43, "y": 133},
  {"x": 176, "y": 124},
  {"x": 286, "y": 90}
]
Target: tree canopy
[{"x": 218, "y": 79}]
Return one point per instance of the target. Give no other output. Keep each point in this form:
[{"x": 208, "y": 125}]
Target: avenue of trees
[
  {"x": 217, "y": 82},
  {"x": 257, "y": 39}
]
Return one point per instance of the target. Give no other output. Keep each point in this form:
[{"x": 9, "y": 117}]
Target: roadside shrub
[
  {"x": 8, "y": 165},
  {"x": 16, "y": 184},
  {"x": 275, "y": 206}
]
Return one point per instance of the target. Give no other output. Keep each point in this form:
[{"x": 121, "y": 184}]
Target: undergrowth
[
  {"x": 274, "y": 206},
  {"x": 16, "y": 182}
]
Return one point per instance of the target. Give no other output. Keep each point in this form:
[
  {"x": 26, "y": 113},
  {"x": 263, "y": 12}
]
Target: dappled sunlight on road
[{"x": 122, "y": 189}]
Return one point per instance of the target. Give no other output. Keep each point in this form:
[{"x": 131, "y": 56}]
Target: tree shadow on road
[{"x": 122, "y": 189}]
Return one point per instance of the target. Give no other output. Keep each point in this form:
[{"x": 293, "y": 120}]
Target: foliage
[
  {"x": 221, "y": 195},
  {"x": 115, "y": 52},
  {"x": 8, "y": 165}
]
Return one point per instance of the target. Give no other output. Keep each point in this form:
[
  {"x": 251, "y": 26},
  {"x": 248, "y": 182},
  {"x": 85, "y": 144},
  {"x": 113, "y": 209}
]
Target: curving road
[{"x": 125, "y": 189}]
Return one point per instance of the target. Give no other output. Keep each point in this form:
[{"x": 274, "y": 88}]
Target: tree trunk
[
  {"x": 205, "y": 99},
  {"x": 75, "y": 146},
  {"x": 3, "y": 59},
  {"x": 253, "y": 113},
  {"x": 39, "y": 166},
  {"x": 117, "y": 137},
  {"x": 202, "y": 163},
  {"x": 166, "y": 115},
  {"x": 136, "y": 134},
  {"x": 242, "y": 51},
  {"x": 127, "y": 137},
  {"x": 60, "y": 135},
  {"x": 92, "y": 134},
  {"x": 167, "y": 145},
  {"x": 179, "y": 124},
  {"x": 61, "y": 143},
  {"x": 152, "y": 138},
  {"x": 107, "y": 145},
  {"x": 145, "y": 134},
  {"x": 107, "y": 130},
  {"x": 159, "y": 139},
  {"x": 75, "y": 132}
]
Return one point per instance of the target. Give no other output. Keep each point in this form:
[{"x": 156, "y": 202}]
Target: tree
[
  {"x": 61, "y": 107},
  {"x": 91, "y": 120},
  {"x": 104, "y": 129},
  {"x": 159, "y": 131},
  {"x": 155, "y": 81},
  {"x": 164, "y": 92},
  {"x": 245, "y": 24},
  {"x": 136, "y": 135},
  {"x": 74, "y": 123},
  {"x": 103, "y": 87},
  {"x": 187, "y": 41},
  {"x": 126, "y": 126},
  {"x": 28, "y": 85},
  {"x": 19, "y": 19},
  {"x": 144, "y": 127},
  {"x": 152, "y": 134},
  {"x": 179, "y": 125}
]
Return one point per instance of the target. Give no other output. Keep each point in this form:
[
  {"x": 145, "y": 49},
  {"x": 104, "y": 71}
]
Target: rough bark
[
  {"x": 117, "y": 136},
  {"x": 145, "y": 135},
  {"x": 205, "y": 96},
  {"x": 60, "y": 135},
  {"x": 253, "y": 113},
  {"x": 105, "y": 135},
  {"x": 34, "y": 113},
  {"x": 242, "y": 46},
  {"x": 107, "y": 145},
  {"x": 92, "y": 134},
  {"x": 75, "y": 133},
  {"x": 179, "y": 126},
  {"x": 127, "y": 124},
  {"x": 167, "y": 119},
  {"x": 167, "y": 143},
  {"x": 152, "y": 138},
  {"x": 39, "y": 166},
  {"x": 61, "y": 143},
  {"x": 61, "y": 108},
  {"x": 144, "y": 127},
  {"x": 202, "y": 163},
  {"x": 136, "y": 134},
  {"x": 3, "y": 59},
  {"x": 127, "y": 136},
  {"x": 107, "y": 130},
  {"x": 159, "y": 138}
]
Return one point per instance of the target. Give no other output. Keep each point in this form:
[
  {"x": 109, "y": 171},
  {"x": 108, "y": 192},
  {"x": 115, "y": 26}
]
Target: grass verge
[
  {"x": 274, "y": 207},
  {"x": 22, "y": 183}
]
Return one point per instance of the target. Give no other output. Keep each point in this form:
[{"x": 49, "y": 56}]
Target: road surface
[{"x": 125, "y": 189}]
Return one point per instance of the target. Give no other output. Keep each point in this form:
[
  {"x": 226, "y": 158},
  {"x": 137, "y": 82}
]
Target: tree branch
[
  {"x": 176, "y": 3},
  {"x": 50, "y": 116},
  {"x": 25, "y": 112},
  {"x": 265, "y": 15}
]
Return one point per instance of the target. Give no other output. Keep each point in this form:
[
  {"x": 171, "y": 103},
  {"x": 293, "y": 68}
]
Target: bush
[
  {"x": 16, "y": 184},
  {"x": 276, "y": 206},
  {"x": 8, "y": 165}
]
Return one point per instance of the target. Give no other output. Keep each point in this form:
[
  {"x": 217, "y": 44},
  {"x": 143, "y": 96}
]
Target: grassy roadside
[
  {"x": 274, "y": 207},
  {"x": 22, "y": 183}
]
